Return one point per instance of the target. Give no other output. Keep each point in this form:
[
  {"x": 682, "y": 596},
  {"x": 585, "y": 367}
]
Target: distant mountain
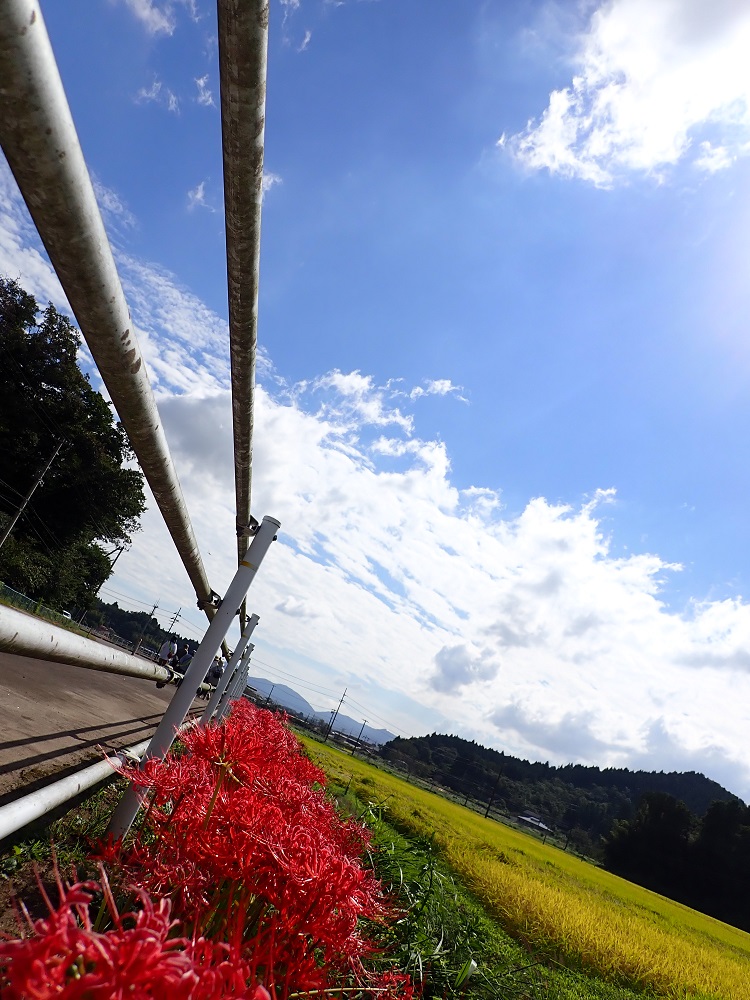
[{"x": 281, "y": 694}]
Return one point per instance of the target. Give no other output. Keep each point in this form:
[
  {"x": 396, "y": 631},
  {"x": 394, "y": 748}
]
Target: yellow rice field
[{"x": 572, "y": 911}]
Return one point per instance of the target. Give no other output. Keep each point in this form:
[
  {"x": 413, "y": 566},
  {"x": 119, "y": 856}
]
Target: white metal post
[
  {"x": 228, "y": 693},
  {"x": 238, "y": 684},
  {"x": 230, "y": 669},
  {"x": 241, "y": 679},
  {"x": 162, "y": 739}
]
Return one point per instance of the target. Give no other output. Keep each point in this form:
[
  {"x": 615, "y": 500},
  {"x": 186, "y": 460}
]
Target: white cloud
[
  {"x": 459, "y": 666},
  {"x": 713, "y": 158},
  {"x": 196, "y": 197},
  {"x": 305, "y": 41},
  {"x": 21, "y": 253},
  {"x": 113, "y": 209},
  {"x": 160, "y": 19},
  {"x": 185, "y": 344},
  {"x": 157, "y": 93},
  {"x": 205, "y": 97},
  {"x": 269, "y": 180},
  {"x": 650, "y": 80},
  {"x": 433, "y": 605},
  {"x": 524, "y": 631},
  {"x": 438, "y": 387},
  {"x": 156, "y": 20},
  {"x": 289, "y": 7}
]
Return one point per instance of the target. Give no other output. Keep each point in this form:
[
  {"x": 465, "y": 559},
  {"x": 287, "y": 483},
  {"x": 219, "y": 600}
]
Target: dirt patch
[{"x": 57, "y": 717}]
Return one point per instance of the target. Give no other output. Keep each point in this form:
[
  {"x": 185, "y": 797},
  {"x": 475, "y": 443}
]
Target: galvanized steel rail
[
  {"x": 26, "y": 636},
  {"x": 40, "y": 142},
  {"x": 243, "y": 45},
  {"x": 14, "y": 816}
]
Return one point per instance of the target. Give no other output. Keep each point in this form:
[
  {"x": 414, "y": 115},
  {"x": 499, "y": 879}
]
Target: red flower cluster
[
  {"x": 247, "y": 856},
  {"x": 137, "y": 959}
]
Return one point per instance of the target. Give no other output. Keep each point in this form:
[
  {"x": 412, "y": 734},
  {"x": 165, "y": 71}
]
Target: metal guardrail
[{"x": 16, "y": 599}]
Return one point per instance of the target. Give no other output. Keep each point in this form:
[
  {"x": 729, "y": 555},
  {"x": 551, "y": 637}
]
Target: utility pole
[
  {"x": 176, "y": 616},
  {"x": 333, "y": 717},
  {"x": 359, "y": 737},
  {"x": 29, "y": 495},
  {"x": 268, "y": 696},
  {"x": 120, "y": 551},
  {"x": 139, "y": 640},
  {"x": 492, "y": 797}
]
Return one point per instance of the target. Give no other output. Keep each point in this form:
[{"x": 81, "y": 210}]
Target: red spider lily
[
  {"x": 64, "y": 957},
  {"x": 246, "y": 845},
  {"x": 241, "y": 847}
]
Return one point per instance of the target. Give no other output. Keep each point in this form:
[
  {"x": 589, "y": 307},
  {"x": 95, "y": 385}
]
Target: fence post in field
[
  {"x": 231, "y": 667},
  {"x": 163, "y": 738}
]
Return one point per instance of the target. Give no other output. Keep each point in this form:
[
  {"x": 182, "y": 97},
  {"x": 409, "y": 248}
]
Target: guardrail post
[
  {"x": 230, "y": 670},
  {"x": 174, "y": 716},
  {"x": 239, "y": 679},
  {"x": 240, "y": 673}
]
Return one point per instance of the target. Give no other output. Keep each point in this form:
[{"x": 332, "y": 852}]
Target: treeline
[
  {"x": 582, "y": 803},
  {"x": 701, "y": 861},
  {"x": 132, "y": 625}
]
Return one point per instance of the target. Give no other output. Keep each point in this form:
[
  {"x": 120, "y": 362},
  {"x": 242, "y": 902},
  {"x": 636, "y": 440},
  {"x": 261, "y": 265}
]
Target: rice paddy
[{"x": 559, "y": 905}]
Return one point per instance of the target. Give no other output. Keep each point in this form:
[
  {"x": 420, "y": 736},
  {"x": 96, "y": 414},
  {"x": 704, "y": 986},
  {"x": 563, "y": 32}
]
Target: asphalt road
[{"x": 57, "y": 717}]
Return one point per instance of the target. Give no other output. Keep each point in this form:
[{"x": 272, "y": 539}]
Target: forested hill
[{"x": 583, "y": 800}]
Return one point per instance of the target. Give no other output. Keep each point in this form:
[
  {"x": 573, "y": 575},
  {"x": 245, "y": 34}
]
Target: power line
[
  {"x": 379, "y": 718},
  {"x": 125, "y": 597},
  {"x": 295, "y": 679},
  {"x": 298, "y": 682}
]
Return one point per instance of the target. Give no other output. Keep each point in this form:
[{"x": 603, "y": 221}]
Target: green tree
[
  {"x": 88, "y": 498},
  {"x": 653, "y": 848}
]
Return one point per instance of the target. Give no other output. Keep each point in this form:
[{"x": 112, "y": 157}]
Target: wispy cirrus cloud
[
  {"x": 438, "y": 387},
  {"x": 654, "y": 84},
  {"x": 160, "y": 18},
  {"x": 269, "y": 181},
  {"x": 205, "y": 96},
  {"x": 113, "y": 208},
  {"x": 154, "y": 18},
  {"x": 158, "y": 94},
  {"x": 196, "y": 198}
]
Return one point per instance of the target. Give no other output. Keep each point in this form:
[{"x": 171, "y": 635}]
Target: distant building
[{"x": 534, "y": 822}]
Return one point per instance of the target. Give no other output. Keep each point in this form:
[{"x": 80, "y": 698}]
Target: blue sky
[{"x": 503, "y": 403}]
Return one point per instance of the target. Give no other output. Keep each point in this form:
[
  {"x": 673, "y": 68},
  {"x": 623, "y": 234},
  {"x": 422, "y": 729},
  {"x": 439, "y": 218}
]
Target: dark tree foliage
[
  {"x": 87, "y": 499},
  {"x": 704, "y": 863},
  {"x": 591, "y": 798},
  {"x": 652, "y": 846}
]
